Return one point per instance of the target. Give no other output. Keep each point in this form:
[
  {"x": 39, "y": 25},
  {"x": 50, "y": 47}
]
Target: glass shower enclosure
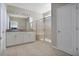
[{"x": 42, "y": 28}]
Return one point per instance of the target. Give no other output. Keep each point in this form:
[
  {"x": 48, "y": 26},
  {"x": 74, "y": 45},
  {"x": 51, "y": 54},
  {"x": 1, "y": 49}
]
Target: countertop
[{"x": 19, "y": 30}]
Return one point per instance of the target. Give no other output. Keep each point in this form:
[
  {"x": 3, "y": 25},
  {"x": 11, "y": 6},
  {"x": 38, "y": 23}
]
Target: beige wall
[{"x": 54, "y": 7}]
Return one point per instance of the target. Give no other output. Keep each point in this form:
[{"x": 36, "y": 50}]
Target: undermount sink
[{"x": 14, "y": 30}]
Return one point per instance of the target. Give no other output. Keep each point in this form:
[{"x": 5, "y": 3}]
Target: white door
[{"x": 66, "y": 24}]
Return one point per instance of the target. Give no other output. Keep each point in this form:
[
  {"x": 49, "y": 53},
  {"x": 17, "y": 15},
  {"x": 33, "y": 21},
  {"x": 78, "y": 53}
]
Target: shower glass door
[
  {"x": 47, "y": 29},
  {"x": 42, "y": 28}
]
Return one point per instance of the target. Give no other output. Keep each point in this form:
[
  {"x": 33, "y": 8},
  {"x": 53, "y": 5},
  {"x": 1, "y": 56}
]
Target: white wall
[
  {"x": 36, "y": 7},
  {"x": 45, "y": 8},
  {"x": 25, "y": 12}
]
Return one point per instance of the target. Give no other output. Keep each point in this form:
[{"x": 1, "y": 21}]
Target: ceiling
[{"x": 37, "y": 7}]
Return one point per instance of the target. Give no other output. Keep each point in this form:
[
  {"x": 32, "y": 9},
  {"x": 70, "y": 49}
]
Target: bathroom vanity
[
  {"x": 19, "y": 31},
  {"x": 19, "y": 37}
]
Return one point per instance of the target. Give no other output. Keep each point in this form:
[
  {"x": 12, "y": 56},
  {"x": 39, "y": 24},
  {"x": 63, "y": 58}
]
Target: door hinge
[{"x": 76, "y": 49}]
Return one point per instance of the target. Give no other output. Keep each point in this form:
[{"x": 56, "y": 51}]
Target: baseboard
[
  {"x": 19, "y": 44},
  {"x": 61, "y": 50}
]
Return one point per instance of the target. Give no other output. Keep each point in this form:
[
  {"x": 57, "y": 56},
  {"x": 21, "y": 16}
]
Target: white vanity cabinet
[{"x": 14, "y": 38}]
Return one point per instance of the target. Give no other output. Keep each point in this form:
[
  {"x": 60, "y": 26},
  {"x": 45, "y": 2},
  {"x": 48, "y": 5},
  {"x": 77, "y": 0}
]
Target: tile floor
[{"x": 37, "y": 48}]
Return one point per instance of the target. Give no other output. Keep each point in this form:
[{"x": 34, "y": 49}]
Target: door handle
[{"x": 59, "y": 31}]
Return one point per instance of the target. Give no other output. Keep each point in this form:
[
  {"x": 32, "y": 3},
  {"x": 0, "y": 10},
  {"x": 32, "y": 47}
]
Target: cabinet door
[
  {"x": 29, "y": 37},
  {"x": 11, "y": 38},
  {"x": 20, "y": 38},
  {"x": 66, "y": 32}
]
